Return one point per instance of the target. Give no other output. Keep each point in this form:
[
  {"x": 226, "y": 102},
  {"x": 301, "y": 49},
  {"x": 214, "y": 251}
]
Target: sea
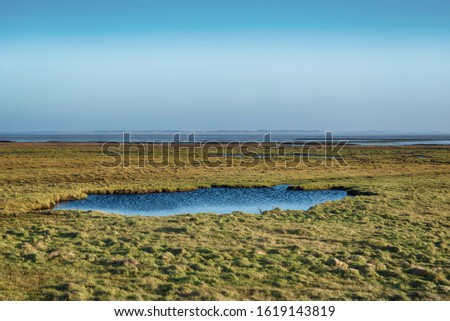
[{"x": 357, "y": 138}]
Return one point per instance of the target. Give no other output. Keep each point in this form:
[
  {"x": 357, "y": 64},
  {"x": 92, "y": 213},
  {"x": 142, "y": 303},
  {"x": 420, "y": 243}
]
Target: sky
[{"x": 224, "y": 64}]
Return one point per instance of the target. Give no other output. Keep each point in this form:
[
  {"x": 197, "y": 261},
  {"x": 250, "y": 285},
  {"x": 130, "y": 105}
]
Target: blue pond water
[{"x": 216, "y": 200}]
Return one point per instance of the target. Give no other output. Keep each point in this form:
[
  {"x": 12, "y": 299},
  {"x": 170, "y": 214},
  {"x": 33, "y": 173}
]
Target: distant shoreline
[
  {"x": 288, "y": 137},
  {"x": 298, "y": 143}
]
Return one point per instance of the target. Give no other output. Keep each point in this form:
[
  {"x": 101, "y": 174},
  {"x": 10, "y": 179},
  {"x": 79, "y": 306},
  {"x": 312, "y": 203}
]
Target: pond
[{"x": 220, "y": 200}]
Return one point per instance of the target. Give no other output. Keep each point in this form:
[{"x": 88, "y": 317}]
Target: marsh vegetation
[{"x": 389, "y": 242}]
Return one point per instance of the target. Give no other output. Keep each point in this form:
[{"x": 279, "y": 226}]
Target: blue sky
[{"x": 203, "y": 65}]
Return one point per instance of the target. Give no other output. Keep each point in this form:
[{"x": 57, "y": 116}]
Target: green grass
[{"x": 391, "y": 242}]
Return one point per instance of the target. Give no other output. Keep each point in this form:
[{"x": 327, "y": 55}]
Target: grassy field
[{"x": 389, "y": 242}]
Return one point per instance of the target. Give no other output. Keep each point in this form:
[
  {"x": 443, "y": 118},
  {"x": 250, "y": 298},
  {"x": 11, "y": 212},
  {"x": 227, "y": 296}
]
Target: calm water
[
  {"x": 228, "y": 136},
  {"x": 215, "y": 200}
]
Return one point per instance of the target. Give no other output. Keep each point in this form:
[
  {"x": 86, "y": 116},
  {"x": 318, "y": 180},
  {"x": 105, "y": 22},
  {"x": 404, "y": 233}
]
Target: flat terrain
[{"x": 389, "y": 242}]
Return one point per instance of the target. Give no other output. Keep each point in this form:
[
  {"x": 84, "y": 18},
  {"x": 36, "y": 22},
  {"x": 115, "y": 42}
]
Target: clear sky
[{"x": 224, "y": 64}]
